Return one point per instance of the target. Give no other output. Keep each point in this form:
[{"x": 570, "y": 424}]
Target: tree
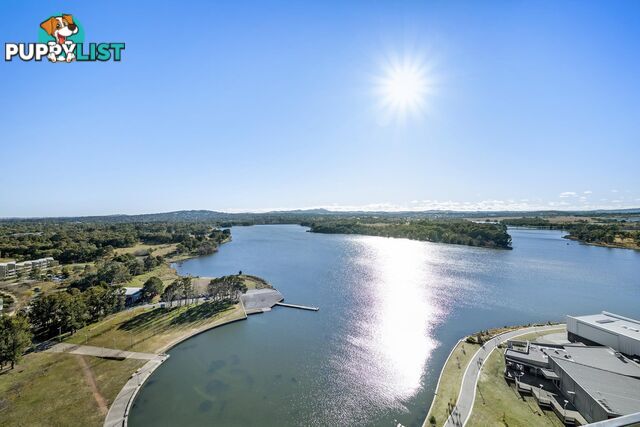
[
  {"x": 102, "y": 300},
  {"x": 171, "y": 292},
  {"x": 15, "y": 338},
  {"x": 152, "y": 287},
  {"x": 113, "y": 272},
  {"x": 213, "y": 289},
  {"x": 150, "y": 263},
  {"x": 60, "y": 312},
  {"x": 187, "y": 289},
  {"x": 227, "y": 288}
]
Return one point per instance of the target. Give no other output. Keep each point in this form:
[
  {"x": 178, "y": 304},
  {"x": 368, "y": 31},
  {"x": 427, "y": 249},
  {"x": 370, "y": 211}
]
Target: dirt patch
[{"x": 91, "y": 381}]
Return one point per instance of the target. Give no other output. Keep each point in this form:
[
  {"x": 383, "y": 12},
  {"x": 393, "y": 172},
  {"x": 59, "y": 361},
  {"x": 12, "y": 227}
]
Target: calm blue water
[{"x": 391, "y": 309}]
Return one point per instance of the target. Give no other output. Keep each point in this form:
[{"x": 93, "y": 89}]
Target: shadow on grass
[
  {"x": 200, "y": 312},
  {"x": 143, "y": 319},
  {"x": 159, "y": 316}
]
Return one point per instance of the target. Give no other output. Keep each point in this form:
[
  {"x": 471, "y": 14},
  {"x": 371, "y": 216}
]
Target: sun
[{"x": 403, "y": 88}]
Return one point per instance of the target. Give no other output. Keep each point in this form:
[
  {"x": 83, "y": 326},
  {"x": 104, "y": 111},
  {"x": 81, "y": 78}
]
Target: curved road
[{"x": 466, "y": 397}]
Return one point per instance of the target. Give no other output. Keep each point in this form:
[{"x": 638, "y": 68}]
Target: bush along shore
[{"x": 455, "y": 231}]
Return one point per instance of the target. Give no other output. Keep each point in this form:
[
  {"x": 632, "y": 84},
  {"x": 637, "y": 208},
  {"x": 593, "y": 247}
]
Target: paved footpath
[
  {"x": 467, "y": 396},
  {"x": 89, "y": 350},
  {"x": 119, "y": 410}
]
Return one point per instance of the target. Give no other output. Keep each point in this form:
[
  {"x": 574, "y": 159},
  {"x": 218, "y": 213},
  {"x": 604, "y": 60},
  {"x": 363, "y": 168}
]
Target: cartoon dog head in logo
[{"x": 60, "y": 27}]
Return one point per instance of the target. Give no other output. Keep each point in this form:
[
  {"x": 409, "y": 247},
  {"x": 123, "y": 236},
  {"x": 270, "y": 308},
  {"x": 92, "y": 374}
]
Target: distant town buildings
[
  {"x": 11, "y": 270},
  {"x": 587, "y": 376}
]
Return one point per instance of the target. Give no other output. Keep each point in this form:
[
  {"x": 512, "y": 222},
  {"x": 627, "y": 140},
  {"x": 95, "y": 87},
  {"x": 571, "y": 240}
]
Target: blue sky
[{"x": 268, "y": 105}]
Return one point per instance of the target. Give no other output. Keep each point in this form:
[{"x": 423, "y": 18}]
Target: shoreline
[
  {"x": 118, "y": 414},
  {"x": 443, "y": 372},
  {"x": 435, "y": 393},
  {"x": 186, "y": 257},
  {"x": 600, "y": 244},
  {"x": 500, "y": 248},
  {"x": 568, "y": 236}
]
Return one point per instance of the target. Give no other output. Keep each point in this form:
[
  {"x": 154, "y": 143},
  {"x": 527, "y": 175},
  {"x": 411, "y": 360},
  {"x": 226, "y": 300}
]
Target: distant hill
[{"x": 305, "y": 215}]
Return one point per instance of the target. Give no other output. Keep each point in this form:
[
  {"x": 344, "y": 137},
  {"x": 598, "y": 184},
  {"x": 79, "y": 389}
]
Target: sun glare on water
[{"x": 404, "y": 88}]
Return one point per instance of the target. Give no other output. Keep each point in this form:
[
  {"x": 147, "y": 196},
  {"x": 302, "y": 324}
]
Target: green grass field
[
  {"x": 151, "y": 330},
  {"x": 449, "y": 385},
  {"x": 499, "y": 404},
  {"x": 50, "y": 389},
  {"x": 143, "y": 250},
  {"x": 163, "y": 272},
  {"x": 55, "y": 389}
]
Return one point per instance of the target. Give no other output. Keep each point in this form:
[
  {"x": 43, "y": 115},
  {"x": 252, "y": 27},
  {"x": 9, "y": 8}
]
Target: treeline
[
  {"x": 70, "y": 310},
  {"x": 180, "y": 290},
  {"x": 607, "y": 234},
  {"x": 15, "y": 338},
  {"x": 73, "y": 242},
  {"x": 116, "y": 270},
  {"x": 528, "y": 222},
  {"x": 606, "y": 231},
  {"x": 460, "y": 232},
  {"x": 225, "y": 288}
]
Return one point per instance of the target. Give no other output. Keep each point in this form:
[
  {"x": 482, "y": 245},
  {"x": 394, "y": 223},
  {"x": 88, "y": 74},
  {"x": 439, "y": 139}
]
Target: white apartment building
[{"x": 11, "y": 270}]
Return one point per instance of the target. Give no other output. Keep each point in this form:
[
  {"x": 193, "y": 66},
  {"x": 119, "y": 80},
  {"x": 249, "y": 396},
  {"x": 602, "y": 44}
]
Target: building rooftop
[
  {"x": 132, "y": 291},
  {"x": 617, "y": 394},
  {"x": 599, "y": 357},
  {"x": 613, "y": 323},
  {"x": 535, "y": 355},
  {"x": 603, "y": 358}
]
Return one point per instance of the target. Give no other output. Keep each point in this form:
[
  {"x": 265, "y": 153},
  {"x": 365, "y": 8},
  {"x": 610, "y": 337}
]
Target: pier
[{"x": 301, "y": 307}]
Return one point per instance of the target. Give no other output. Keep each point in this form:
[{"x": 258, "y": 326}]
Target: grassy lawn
[
  {"x": 200, "y": 284},
  {"x": 497, "y": 402},
  {"x": 453, "y": 371},
  {"x": 152, "y": 330},
  {"x": 49, "y": 389},
  {"x": 253, "y": 282},
  {"x": 163, "y": 272},
  {"x": 450, "y": 381},
  {"x": 55, "y": 389},
  {"x": 143, "y": 250}
]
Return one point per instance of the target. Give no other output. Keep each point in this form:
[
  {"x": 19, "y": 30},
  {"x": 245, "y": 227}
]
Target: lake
[{"x": 390, "y": 312}]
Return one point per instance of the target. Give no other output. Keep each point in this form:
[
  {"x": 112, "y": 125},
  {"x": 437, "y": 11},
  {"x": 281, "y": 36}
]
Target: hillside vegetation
[
  {"x": 77, "y": 242},
  {"x": 595, "y": 230},
  {"x": 459, "y": 232}
]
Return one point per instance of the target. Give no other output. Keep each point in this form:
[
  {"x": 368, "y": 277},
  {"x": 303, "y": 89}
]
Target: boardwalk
[
  {"x": 119, "y": 410},
  {"x": 301, "y": 307}
]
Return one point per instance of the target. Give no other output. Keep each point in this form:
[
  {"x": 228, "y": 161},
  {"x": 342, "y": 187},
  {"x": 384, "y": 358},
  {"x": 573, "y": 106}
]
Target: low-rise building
[
  {"x": 598, "y": 381},
  {"x": 615, "y": 331},
  {"x": 11, "y": 270},
  {"x": 598, "y": 394},
  {"x": 132, "y": 295}
]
